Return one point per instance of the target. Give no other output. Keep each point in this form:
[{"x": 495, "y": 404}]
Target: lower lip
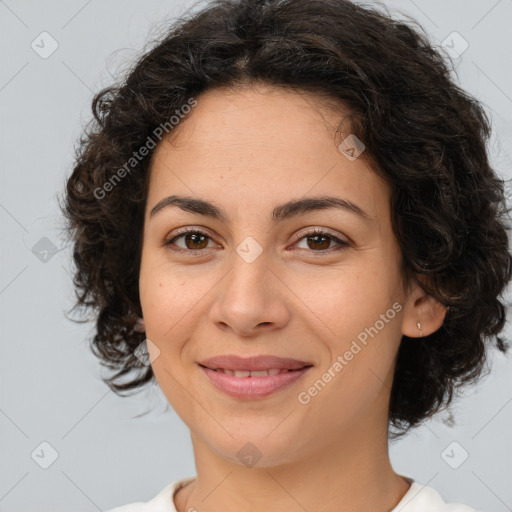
[{"x": 250, "y": 388}]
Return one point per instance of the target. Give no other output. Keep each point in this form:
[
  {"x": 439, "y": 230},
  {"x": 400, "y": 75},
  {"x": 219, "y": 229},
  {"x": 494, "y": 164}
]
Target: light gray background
[{"x": 50, "y": 387}]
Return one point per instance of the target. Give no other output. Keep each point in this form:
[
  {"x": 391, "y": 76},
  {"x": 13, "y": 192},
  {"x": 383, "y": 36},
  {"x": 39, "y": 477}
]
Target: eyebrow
[{"x": 280, "y": 213}]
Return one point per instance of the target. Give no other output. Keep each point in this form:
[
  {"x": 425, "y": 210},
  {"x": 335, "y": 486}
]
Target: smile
[
  {"x": 255, "y": 384},
  {"x": 254, "y": 373}
]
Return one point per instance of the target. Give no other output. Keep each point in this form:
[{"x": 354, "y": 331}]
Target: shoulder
[
  {"x": 162, "y": 502},
  {"x": 421, "y": 498}
]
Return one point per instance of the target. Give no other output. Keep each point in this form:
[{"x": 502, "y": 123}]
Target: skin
[{"x": 248, "y": 150}]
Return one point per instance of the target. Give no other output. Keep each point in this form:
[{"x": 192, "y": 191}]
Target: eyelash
[{"x": 314, "y": 232}]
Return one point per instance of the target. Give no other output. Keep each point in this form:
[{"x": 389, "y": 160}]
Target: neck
[{"x": 354, "y": 474}]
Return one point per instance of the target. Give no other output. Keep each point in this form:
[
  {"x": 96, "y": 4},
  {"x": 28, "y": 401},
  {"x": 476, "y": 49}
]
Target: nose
[{"x": 250, "y": 299}]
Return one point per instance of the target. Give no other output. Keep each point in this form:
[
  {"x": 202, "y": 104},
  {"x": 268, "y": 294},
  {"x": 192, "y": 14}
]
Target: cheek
[
  {"x": 172, "y": 305},
  {"x": 166, "y": 296},
  {"x": 167, "y": 306},
  {"x": 347, "y": 300},
  {"x": 360, "y": 323}
]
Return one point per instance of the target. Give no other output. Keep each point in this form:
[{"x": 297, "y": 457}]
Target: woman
[{"x": 287, "y": 217}]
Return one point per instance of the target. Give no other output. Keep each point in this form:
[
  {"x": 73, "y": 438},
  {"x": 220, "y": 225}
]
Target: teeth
[{"x": 247, "y": 373}]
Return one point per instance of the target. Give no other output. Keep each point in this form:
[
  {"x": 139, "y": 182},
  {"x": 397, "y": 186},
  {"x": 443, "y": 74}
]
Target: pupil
[
  {"x": 316, "y": 237},
  {"x": 194, "y": 237}
]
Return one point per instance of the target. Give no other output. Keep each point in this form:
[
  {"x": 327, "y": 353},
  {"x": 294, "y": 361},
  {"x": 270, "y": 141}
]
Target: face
[{"x": 251, "y": 283}]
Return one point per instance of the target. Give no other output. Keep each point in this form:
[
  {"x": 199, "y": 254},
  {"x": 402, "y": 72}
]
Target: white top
[{"x": 419, "y": 498}]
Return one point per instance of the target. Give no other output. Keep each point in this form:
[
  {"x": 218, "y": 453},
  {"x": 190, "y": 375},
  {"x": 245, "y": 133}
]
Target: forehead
[
  {"x": 259, "y": 142},
  {"x": 254, "y": 113}
]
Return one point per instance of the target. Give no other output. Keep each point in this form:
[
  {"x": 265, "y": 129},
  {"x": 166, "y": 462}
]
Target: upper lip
[{"x": 265, "y": 362}]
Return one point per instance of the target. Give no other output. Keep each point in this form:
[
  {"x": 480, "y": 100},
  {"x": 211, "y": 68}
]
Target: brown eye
[
  {"x": 317, "y": 242},
  {"x": 193, "y": 240},
  {"x": 320, "y": 241}
]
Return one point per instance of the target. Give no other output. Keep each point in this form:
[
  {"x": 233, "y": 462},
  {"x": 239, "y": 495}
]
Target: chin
[{"x": 260, "y": 448}]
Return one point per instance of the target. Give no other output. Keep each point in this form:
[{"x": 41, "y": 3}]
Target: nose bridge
[
  {"x": 250, "y": 257},
  {"x": 249, "y": 295},
  {"x": 249, "y": 278}
]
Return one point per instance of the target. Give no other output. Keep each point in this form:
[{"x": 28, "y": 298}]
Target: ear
[
  {"x": 422, "y": 308},
  {"x": 139, "y": 325}
]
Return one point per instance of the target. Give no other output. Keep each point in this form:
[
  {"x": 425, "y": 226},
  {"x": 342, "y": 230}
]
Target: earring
[
  {"x": 419, "y": 327},
  {"x": 139, "y": 325}
]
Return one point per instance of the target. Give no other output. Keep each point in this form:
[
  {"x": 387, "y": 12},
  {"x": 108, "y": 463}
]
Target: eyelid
[
  {"x": 200, "y": 230},
  {"x": 341, "y": 243},
  {"x": 311, "y": 231}
]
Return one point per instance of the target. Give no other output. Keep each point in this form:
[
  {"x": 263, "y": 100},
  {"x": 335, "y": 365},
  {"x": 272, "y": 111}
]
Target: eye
[
  {"x": 319, "y": 240},
  {"x": 194, "y": 240}
]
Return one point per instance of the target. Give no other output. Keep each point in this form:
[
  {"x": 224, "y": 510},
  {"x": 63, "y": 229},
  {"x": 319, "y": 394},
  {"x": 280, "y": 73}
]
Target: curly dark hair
[{"x": 422, "y": 133}]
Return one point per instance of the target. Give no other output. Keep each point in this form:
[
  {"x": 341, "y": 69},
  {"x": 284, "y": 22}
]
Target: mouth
[
  {"x": 239, "y": 366},
  {"x": 253, "y": 378},
  {"x": 255, "y": 373}
]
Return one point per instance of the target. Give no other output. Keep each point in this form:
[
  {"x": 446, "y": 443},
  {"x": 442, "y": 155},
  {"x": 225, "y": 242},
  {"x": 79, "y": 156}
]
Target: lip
[
  {"x": 264, "y": 362},
  {"x": 251, "y": 388}
]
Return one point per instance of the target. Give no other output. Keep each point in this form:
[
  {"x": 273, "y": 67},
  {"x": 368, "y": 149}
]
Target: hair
[{"x": 423, "y": 135}]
